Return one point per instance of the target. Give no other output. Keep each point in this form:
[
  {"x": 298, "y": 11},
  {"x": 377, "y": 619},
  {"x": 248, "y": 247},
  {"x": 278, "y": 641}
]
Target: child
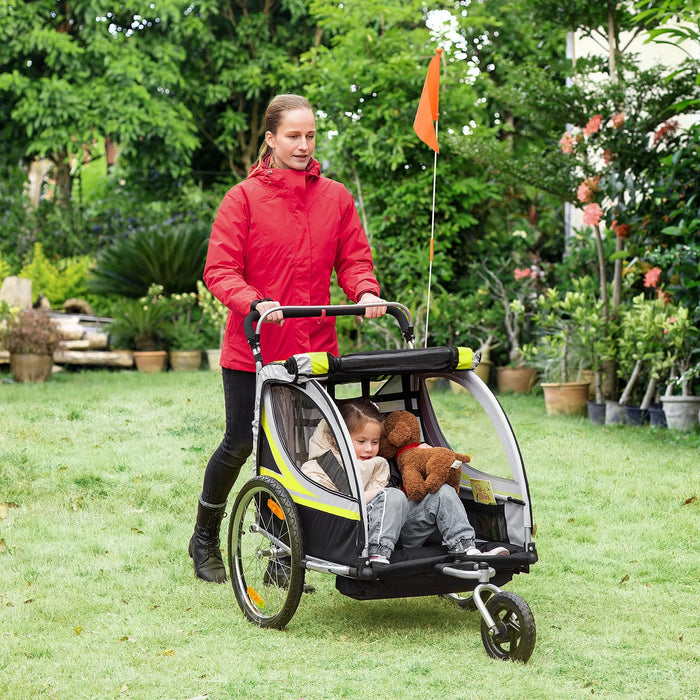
[
  {"x": 390, "y": 513},
  {"x": 386, "y": 506}
]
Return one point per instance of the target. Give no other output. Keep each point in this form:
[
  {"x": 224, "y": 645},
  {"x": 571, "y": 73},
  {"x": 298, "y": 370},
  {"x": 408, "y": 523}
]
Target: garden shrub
[
  {"x": 171, "y": 254},
  {"x": 57, "y": 281}
]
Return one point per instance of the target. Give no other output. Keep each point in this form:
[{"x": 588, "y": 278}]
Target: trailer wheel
[
  {"x": 513, "y": 638},
  {"x": 265, "y": 553}
]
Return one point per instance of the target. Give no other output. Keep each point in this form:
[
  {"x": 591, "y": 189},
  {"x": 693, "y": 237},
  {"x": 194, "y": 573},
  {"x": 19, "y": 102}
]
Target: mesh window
[{"x": 296, "y": 418}]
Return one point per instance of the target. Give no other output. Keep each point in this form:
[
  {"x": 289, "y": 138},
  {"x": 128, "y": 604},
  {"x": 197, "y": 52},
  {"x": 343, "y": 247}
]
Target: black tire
[
  {"x": 515, "y": 634},
  {"x": 265, "y": 553}
]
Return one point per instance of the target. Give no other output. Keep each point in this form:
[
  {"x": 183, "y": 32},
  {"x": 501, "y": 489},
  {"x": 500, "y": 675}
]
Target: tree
[
  {"x": 70, "y": 75},
  {"x": 238, "y": 59},
  {"x": 367, "y": 78}
]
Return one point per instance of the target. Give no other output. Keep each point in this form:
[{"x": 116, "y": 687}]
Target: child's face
[{"x": 366, "y": 438}]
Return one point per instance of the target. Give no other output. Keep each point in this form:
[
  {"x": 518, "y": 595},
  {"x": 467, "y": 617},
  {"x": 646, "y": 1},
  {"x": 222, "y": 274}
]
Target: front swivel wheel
[{"x": 514, "y": 634}]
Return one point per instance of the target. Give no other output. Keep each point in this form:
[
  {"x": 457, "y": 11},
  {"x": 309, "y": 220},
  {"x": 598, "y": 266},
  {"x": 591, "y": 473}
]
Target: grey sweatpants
[{"x": 391, "y": 515}]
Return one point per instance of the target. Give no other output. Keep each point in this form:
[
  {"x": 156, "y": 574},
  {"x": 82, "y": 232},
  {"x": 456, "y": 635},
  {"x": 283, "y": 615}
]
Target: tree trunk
[
  {"x": 612, "y": 42},
  {"x": 64, "y": 179},
  {"x": 624, "y": 399},
  {"x": 649, "y": 394}
]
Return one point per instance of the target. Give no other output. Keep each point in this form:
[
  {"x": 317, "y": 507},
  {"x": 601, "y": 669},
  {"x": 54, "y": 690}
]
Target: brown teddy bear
[{"x": 423, "y": 469}]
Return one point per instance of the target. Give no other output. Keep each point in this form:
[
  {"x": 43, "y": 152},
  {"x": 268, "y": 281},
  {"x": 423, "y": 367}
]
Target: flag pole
[
  {"x": 432, "y": 240},
  {"x": 426, "y": 127}
]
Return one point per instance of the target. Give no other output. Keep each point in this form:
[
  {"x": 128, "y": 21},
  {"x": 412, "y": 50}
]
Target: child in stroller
[{"x": 390, "y": 514}]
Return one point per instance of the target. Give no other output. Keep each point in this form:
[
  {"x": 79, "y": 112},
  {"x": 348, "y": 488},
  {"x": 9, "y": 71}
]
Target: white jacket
[{"x": 374, "y": 471}]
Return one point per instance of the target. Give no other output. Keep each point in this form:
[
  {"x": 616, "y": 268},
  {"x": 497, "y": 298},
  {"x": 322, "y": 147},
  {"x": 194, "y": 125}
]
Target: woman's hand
[
  {"x": 276, "y": 317},
  {"x": 372, "y": 311}
]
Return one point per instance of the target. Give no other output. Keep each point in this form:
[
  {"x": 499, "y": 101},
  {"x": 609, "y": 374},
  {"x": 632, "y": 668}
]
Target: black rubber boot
[{"x": 205, "y": 549}]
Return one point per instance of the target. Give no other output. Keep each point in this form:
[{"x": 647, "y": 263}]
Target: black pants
[{"x": 226, "y": 462}]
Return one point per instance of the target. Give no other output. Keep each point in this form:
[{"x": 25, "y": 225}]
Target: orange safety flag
[{"x": 428, "y": 107}]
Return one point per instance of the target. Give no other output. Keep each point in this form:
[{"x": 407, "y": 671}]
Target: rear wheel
[
  {"x": 265, "y": 553},
  {"x": 515, "y": 634}
]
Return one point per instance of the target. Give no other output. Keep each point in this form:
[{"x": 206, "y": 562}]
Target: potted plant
[
  {"x": 186, "y": 338},
  {"x": 516, "y": 302},
  {"x": 559, "y": 353},
  {"x": 643, "y": 353},
  {"x": 214, "y": 315},
  {"x": 141, "y": 324},
  {"x": 683, "y": 338},
  {"x": 31, "y": 337}
]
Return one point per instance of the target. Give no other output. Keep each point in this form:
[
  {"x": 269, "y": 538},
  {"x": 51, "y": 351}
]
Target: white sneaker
[
  {"x": 496, "y": 552},
  {"x": 475, "y": 552},
  {"x": 378, "y": 559}
]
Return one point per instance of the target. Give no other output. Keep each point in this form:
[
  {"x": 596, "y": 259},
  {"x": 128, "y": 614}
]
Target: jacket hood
[{"x": 313, "y": 171}]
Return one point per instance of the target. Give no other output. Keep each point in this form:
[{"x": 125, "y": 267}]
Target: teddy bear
[{"x": 423, "y": 469}]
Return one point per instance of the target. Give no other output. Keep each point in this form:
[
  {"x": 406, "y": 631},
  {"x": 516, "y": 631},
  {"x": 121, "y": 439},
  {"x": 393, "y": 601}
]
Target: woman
[{"x": 275, "y": 241}]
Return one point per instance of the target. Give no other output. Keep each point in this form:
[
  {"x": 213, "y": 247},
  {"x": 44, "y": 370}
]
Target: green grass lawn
[{"x": 99, "y": 476}]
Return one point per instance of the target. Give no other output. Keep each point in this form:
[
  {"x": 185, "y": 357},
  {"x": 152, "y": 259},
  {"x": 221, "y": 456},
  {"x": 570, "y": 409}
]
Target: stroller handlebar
[{"x": 398, "y": 311}]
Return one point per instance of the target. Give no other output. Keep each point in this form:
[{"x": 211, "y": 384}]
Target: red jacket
[{"x": 280, "y": 234}]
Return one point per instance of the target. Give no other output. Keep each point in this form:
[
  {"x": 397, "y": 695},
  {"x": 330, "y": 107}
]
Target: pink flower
[
  {"x": 525, "y": 273},
  {"x": 592, "y": 214},
  {"x": 608, "y": 156},
  {"x": 567, "y": 143},
  {"x": 593, "y": 125},
  {"x": 587, "y": 189},
  {"x": 618, "y": 120},
  {"x": 621, "y": 230},
  {"x": 584, "y": 193},
  {"x": 651, "y": 278}
]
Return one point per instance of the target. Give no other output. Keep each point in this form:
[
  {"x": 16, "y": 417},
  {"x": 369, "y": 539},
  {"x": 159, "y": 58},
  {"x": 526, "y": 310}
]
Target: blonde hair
[{"x": 274, "y": 113}]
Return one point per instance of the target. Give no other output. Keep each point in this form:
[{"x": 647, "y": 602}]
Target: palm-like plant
[
  {"x": 172, "y": 255},
  {"x": 141, "y": 324}
]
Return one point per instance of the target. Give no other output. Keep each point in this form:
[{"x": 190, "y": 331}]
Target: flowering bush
[
  {"x": 621, "y": 154},
  {"x": 672, "y": 240},
  {"x": 561, "y": 349}
]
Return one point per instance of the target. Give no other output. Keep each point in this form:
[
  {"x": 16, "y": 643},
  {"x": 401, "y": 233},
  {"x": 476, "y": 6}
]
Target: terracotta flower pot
[
  {"x": 150, "y": 361},
  {"x": 516, "y": 380},
  {"x": 26, "y": 367},
  {"x": 567, "y": 398}
]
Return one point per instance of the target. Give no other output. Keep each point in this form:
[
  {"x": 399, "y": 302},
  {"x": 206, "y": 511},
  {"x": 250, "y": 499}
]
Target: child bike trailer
[{"x": 284, "y": 524}]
